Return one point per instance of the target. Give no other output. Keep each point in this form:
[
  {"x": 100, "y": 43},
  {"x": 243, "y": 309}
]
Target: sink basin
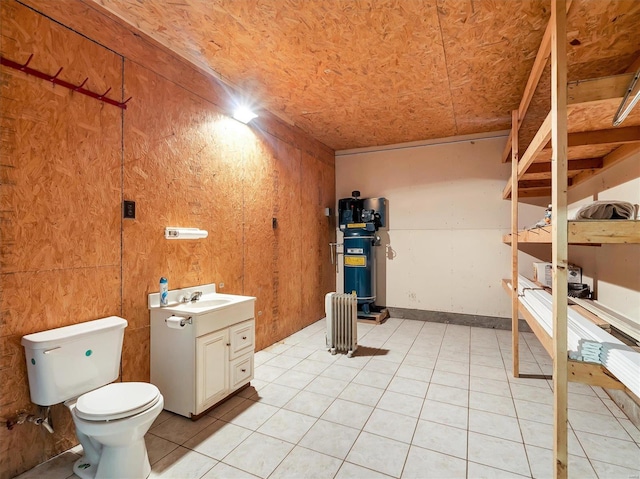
[{"x": 204, "y": 305}]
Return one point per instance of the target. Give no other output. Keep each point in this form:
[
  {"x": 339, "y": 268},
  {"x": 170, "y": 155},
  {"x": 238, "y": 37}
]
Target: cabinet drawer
[
  {"x": 241, "y": 339},
  {"x": 241, "y": 371}
]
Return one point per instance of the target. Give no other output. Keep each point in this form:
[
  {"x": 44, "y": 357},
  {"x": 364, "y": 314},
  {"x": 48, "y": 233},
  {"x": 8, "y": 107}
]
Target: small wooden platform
[{"x": 373, "y": 318}]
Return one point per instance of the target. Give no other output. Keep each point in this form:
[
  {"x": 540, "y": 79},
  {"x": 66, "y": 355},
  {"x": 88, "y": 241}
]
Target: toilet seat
[{"x": 116, "y": 401}]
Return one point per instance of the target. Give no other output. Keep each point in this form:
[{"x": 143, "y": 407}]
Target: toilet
[{"x": 77, "y": 365}]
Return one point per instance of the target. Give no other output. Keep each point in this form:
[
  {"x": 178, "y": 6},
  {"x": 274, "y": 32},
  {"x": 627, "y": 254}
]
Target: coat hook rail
[{"x": 56, "y": 81}]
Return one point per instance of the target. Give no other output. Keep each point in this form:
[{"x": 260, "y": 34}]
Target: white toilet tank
[{"x": 64, "y": 363}]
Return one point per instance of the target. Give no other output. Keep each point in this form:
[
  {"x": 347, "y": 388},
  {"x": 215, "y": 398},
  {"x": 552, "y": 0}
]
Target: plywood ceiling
[{"x": 357, "y": 73}]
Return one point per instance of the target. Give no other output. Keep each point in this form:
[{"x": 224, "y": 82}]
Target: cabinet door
[{"x": 212, "y": 359}]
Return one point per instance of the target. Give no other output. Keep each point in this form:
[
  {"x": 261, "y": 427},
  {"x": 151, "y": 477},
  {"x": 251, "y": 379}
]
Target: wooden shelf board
[
  {"x": 591, "y": 107},
  {"x": 541, "y": 334},
  {"x": 593, "y": 232},
  {"x": 592, "y": 374}
]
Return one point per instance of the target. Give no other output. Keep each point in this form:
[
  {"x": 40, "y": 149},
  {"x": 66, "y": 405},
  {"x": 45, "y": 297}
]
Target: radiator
[{"x": 342, "y": 322}]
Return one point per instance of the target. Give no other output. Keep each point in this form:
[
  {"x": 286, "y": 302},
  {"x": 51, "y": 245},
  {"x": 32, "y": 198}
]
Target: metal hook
[
  {"x": 81, "y": 84},
  {"x": 53, "y": 78},
  {"x": 126, "y": 101},
  {"x": 25, "y": 65},
  {"x": 104, "y": 94}
]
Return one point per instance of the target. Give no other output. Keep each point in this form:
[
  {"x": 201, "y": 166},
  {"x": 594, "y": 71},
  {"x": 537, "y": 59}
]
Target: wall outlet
[{"x": 129, "y": 209}]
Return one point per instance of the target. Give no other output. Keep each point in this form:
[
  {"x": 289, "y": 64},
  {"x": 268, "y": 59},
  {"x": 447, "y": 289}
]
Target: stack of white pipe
[{"x": 617, "y": 357}]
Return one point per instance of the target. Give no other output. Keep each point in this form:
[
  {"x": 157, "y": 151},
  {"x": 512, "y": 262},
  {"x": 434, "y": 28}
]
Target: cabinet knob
[
  {"x": 244, "y": 337},
  {"x": 228, "y": 344},
  {"x": 243, "y": 370}
]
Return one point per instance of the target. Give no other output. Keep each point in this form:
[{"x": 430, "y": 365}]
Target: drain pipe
[{"x": 43, "y": 420}]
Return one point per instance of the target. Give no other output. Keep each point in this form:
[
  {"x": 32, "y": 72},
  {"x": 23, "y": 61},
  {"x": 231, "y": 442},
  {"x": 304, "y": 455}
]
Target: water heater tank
[{"x": 64, "y": 363}]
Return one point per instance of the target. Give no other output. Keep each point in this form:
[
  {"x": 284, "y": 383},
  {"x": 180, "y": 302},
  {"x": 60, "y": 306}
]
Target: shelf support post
[
  {"x": 559, "y": 231},
  {"x": 515, "y": 334}
]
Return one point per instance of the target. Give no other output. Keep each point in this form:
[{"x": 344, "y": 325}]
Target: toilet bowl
[
  {"x": 110, "y": 424},
  {"x": 77, "y": 365}
]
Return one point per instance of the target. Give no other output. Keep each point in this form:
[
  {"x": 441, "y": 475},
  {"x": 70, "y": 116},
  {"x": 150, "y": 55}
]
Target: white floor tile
[
  {"x": 268, "y": 373},
  {"x": 58, "y": 467},
  {"x": 399, "y": 403},
  {"x": 391, "y": 425},
  {"x": 347, "y": 413},
  {"x": 227, "y": 472},
  {"x": 358, "y": 361},
  {"x": 218, "y": 440},
  {"x": 362, "y": 394},
  {"x": 610, "y": 450},
  {"x": 460, "y": 381},
  {"x": 425, "y": 464},
  {"x": 352, "y": 471},
  {"x": 587, "y": 403},
  {"x": 426, "y": 360},
  {"x": 443, "y": 413},
  {"x": 452, "y": 366},
  {"x": 497, "y": 425},
  {"x": 541, "y": 463},
  {"x": 408, "y": 386},
  {"x": 605, "y": 425},
  {"x": 414, "y": 372},
  {"x": 631, "y": 429},
  {"x": 365, "y": 410},
  {"x": 449, "y": 395},
  {"x": 274, "y": 395},
  {"x": 297, "y": 352},
  {"x": 250, "y": 415},
  {"x": 330, "y": 438},
  {"x": 480, "y": 471},
  {"x": 259, "y": 454},
  {"x": 491, "y": 403},
  {"x": 294, "y": 379},
  {"x": 541, "y": 435},
  {"x": 182, "y": 463},
  {"x": 490, "y": 386},
  {"x": 327, "y": 386},
  {"x": 532, "y": 393},
  {"x": 287, "y": 425},
  {"x": 534, "y": 411},
  {"x": 606, "y": 470},
  {"x": 307, "y": 464},
  {"x": 179, "y": 429},
  {"x": 498, "y": 453},
  {"x": 372, "y": 378},
  {"x": 378, "y": 453},
  {"x": 441, "y": 438},
  {"x": 309, "y": 403},
  {"x": 381, "y": 366},
  {"x": 226, "y": 406},
  {"x": 310, "y": 366},
  {"x": 157, "y": 447},
  {"x": 337, "y": 371}
]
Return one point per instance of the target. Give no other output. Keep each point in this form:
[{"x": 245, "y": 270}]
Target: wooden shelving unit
[
  {"x": 585, "y": 232},
  {"x": 575, "y": 142}
]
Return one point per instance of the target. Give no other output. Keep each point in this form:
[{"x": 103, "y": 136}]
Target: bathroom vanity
[{"x": 201, "y": 351}]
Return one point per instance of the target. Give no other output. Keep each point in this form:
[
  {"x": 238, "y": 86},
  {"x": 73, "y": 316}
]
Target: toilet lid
[{"x": 116, "y": 401}]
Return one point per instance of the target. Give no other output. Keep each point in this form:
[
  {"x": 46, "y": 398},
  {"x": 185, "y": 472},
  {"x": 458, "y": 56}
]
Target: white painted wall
[
  {"x": 442, "y": 249},
  {"x": 613, "y": 271}
]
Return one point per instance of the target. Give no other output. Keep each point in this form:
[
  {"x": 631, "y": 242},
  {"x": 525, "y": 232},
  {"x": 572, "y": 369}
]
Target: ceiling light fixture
[{"x": 244, "y": 114}]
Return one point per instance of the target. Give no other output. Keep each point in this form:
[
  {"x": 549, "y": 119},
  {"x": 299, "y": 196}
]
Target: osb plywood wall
[{"x": 69, "y": 160}]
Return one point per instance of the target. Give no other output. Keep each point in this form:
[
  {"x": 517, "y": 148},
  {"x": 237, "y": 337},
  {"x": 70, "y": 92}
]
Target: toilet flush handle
[{"x": 51, "y": 350}]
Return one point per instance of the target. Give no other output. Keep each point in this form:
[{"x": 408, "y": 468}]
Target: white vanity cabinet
[{"x": 199, "y": 364}]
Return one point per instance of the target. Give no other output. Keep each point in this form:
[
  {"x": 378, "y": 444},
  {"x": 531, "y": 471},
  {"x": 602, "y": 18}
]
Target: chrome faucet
[{"x": 192, "y": 297}]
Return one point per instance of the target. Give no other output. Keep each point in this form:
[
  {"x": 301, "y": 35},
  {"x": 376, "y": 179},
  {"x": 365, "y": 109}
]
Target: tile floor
[{"x": 419, "y": 400}]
